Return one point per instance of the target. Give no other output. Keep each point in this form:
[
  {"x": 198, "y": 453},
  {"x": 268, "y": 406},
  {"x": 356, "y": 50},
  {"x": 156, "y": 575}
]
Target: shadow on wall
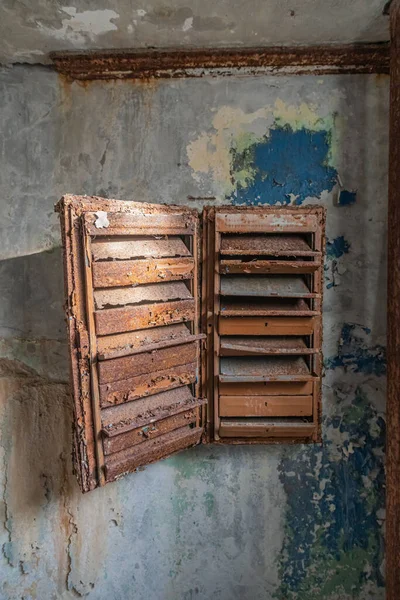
[{"x": 35, "y": 402}]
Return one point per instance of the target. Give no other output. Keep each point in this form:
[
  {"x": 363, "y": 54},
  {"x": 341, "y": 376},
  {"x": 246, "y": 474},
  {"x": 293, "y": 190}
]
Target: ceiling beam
[{"x": 175, "y": 63}]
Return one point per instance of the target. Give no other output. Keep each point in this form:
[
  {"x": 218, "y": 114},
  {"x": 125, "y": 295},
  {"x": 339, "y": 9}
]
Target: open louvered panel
[
  {"x": 267, "y": 321},
  {"x": 139, "y": 281}
]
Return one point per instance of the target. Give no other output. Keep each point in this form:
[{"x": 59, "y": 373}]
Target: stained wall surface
[{"x": 248, "y": 523}]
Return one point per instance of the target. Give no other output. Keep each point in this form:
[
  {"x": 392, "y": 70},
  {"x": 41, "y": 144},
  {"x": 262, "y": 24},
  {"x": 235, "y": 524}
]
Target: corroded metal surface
[
  {"x": 123, "y": 344},
  {"x": 134, "y": 272},
  {"x": 241, "y": 346},
  {"x": 270, "y": 367},
  {"x": 141, "y": 247},
  {"x": 143, "y": 385},
  {"x": 275, "y": 285},
  {"x": 124, "y": 417},
  {"x": 129, "y": 366},
  {"x": 129, "y": 318},
  {"x": 273, "y": 245},
  {"x": 267, "y": 266},
  {"x": 266, "y": 406},
  {"x": 317, "y": 60},
  {"x": 231, "y": 307},
  {"x": 265, "y": 428},
  {"x": 266, "y": 325},
  {"x": 157, "y": 362},
  {"x": 162, "y": 292},
  {"x": 150, "y": 431}
]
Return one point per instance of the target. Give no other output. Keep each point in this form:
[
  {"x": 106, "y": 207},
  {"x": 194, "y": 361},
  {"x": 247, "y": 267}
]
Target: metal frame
[
  {"x": 174, "y": 63},
  {"x": 393, "y": 322}
]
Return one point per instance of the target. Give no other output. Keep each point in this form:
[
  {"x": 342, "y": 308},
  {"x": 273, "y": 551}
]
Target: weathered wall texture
[
  {"x": 30, "y": 30},
  {"x": 248, "y": 523}
]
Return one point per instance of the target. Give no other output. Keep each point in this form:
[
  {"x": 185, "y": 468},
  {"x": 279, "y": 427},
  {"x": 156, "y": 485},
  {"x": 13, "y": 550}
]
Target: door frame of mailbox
[{"x": 210, "y": 307}]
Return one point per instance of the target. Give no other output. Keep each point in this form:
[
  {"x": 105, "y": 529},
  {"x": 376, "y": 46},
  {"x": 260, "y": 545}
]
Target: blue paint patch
[
  {"x": 347, "y": 198},
  {"x": 355, "y": 354},
  {"x": 284, "y": 164},
  {"x": 337, "y": 247},
  {"x": 333, "y": 540}
]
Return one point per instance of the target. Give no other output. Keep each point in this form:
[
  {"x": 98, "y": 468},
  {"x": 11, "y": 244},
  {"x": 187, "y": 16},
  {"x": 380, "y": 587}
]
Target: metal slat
[
  {"x": 124, "y": 417},
  {"x": 126, "y": 367},
  {"x": 137, "y": 272},
  {"x": 296, "y": 307},
  {"x": 139, "y": 223},
  {"x": 265, "y": 428},
  {"x": 266, "y": 245},
  {"x": 264, "y": 286},
  {"x": 140, "y": 247},
  {"x": 266, "y": 326},
  {"x": 240, "y": 346},
  {"x": 129, "y": 318},
  {"x": 123, "y": 344},
  {"x": 156, "y": 292},
  {"x": 266, "y": 406},
  {"x": 140, "y": 386},
  {"x": 260, "y": 267},
  {"x": 265, "y": 367},
  {"x": 138, "y": 436}
]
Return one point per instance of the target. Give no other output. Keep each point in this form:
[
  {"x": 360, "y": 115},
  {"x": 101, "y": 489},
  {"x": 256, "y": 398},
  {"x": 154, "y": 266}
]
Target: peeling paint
[
  {"x": 333, "y": 546},
  {"x": 228, "y": 154},
  {"x": 286, "y": 165},
  {"x": 355, "y": 354},
  {"x": 333, "y": 268},
  {"x": 347, "y": 198},
  {"x": 79, "y": 26}
]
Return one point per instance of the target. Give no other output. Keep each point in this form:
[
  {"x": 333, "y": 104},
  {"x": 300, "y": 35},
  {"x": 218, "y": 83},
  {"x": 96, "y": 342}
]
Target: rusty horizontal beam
[{"x": 174, "y": 63}]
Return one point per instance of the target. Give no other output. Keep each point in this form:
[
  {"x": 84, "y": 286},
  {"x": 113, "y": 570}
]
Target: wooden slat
[
  {"x": 242, "y": 346},
  {"x": 140, "y": 247},
  {"x": 265, "y": 326},
  {"x": 148, "y": 362},
  {"x": 266, "y": 222},
  {"x": 280, "y": 388},
  {"x": 155, "y": 292},
  {"x": 135, "y": 272},
  {"x": 267, "y": 266},
  {"x": 264, "y": 428},
  {"x": 144, "y": 385},
  {"x": 123, "y": 344},
  {"x": 265, "y": 406},
  {"x": 287, "y": 307},
  {"x": 153, "y": 430},
  {"x": 150, "y": 451},
  {"x": 265, "y": 245},
  {"x": 125, "y": 417},
  {"x": 273, "y": 286},
  {"x": 140, "y": 223},
  {"x": 270, "y": 367},
  {"x": 118, "y": 320}
]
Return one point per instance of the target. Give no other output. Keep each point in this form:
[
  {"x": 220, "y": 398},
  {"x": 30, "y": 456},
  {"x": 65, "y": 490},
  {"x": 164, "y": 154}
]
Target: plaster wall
[{"x": 249, "y": 523}]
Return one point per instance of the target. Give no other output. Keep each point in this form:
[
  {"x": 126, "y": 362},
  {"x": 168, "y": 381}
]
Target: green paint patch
[
  {"x": 209, "y": 503},
  {"x": 333, "y": 546}
]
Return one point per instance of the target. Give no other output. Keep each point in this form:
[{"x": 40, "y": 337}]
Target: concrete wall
[{"x": 246, "y": 523}]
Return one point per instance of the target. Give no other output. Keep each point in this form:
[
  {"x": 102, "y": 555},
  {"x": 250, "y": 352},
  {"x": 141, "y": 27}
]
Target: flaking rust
[
  {"x": 174, "y": 63},
  {"x": 159, "y": 363}
]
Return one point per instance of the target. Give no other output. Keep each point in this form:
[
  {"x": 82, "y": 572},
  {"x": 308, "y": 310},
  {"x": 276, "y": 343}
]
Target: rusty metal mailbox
[{"x": 185, "y": 330}]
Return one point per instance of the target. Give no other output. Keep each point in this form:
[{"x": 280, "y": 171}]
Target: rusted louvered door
[
  {"x": 133, "y": 312},
  {"x": 263, "y": 287}
]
